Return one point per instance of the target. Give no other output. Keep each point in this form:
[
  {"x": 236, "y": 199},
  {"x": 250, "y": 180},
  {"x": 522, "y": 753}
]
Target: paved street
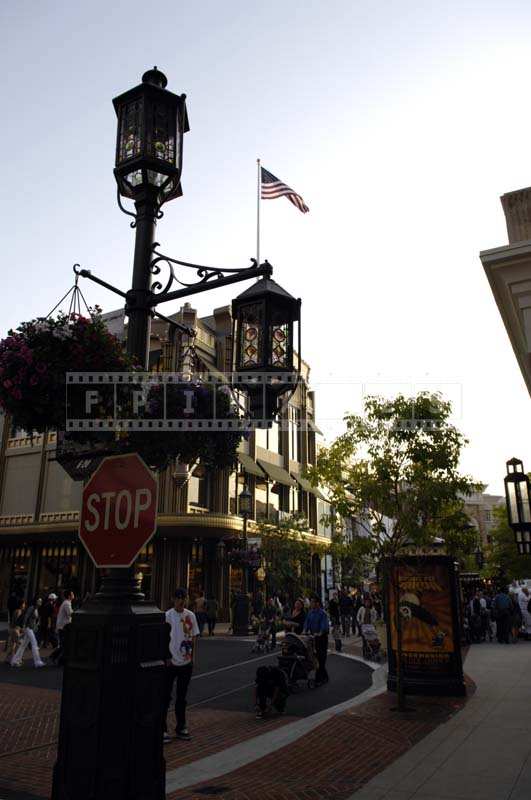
[
  {"x": 221, "y": 713},
  {"x": 224, "y": 678}
]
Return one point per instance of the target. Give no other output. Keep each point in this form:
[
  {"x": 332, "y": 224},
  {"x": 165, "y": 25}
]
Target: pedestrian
[
  {"x": 30, "y": 624},
  {"x": 317, "y": 625},
  {"x": 346, "y": 610},
  {"x": 516, "y": 617},
  {"x": 46, "y": 633},
  {"x": 212, "y": 608},
  {"x": 199, "y": 609},
  {"x": 294, "y": 622},
  {"x": 502, "y": 609},
  {"x": 270, "y": 617},
  {"x": 64, "y": 618},
  {"x": 271, "y": 690},
  {"x": 333, "y": 609},
  {"x": 184, "y": 631},
  {"x": 258, "y": 605},
  {"x": 14, "y": 631},
  {"x": 13, "y": 604}
]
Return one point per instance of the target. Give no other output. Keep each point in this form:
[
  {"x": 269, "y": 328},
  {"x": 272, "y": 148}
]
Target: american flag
[{"x": 272, "y": 188}]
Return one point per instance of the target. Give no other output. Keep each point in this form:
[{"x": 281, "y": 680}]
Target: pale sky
[{"x": 400, "y": 123}]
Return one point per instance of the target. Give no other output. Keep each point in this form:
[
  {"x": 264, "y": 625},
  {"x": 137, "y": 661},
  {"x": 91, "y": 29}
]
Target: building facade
[
  {"x": 479, "y": 507},
  {"x": 198, "y": 518}
]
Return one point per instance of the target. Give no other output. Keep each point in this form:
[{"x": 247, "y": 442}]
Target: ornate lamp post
[
  {"x": 480, "y": 560},
  {"x": 518, "y": 500},
  {"x": 112, "y": 711},
  {"x": 240, "y": 626}
]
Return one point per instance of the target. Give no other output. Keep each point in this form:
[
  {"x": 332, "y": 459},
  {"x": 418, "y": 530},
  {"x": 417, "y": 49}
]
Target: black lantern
[
  {"x": 151, "y": 125},
  {"x": 517, "y": 497},
  {"x": 480, "y": 560},
  {"x": 245, "y": 503},
  {"x": 263, "y": 341}
]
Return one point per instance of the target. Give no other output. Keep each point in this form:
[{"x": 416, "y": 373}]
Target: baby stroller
[
  {"x": 370, "y": 643},
  {"x": 262, "y": 643},
  {"x": 297, "y": 660}
]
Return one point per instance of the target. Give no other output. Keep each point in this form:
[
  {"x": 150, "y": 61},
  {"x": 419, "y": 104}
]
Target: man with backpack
[{"x": 502, "y": 609}]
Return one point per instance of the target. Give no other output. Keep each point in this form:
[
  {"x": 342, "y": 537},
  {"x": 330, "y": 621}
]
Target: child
[{"x": 271, "y": 690}]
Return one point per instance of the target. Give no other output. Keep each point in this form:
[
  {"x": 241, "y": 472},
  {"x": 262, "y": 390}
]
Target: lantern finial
[{"x": 155, "y": 77}]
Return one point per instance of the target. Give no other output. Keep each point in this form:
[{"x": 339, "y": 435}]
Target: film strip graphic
[{"x": 142, "y": 401}]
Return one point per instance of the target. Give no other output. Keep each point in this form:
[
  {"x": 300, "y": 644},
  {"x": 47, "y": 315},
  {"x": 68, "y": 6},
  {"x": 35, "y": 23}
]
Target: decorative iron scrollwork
[{"x": 204, "y": 274}]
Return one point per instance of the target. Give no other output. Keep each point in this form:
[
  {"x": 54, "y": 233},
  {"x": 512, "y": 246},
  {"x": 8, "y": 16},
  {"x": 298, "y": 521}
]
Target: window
[
  {"x": 267, "y": 500},
  {"x": 199, "y": 491},
  {"x": 294, "y": 433},
  {"x": 311, "y": 447},
  {"x": 269, "y": 438},
  {"x": 488, "y": 515},
  {"x": 295, "y": 499}
]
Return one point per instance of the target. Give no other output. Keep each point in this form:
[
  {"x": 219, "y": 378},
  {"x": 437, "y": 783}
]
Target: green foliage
[
  {"x": 287, "y": 555},
  {"x": 387, "y": 466},
  {"x": 502, "y": 556}
]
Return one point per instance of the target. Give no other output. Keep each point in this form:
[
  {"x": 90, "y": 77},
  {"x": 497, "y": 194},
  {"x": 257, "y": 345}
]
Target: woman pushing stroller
[{"x": 366, "y": 619}]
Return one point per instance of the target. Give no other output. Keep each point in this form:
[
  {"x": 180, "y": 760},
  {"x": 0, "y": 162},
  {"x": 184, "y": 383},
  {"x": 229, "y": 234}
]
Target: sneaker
[
  {"x": 183, "y": 734},
  {"x": 259, "y": 714},
  {"x": 166, "y": 738},
  {"x": 40, "y": 664}
]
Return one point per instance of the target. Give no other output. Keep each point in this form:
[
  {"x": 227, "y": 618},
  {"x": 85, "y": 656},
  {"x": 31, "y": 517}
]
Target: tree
[
  {"x": 396, "y": 470},
  {"x": 288, "y": 556},
  {"x": 502, "y": 557}
]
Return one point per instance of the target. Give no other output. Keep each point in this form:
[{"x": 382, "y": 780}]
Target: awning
[
  {"x": 277, "y": 474},
  {"x": 307, "y": 487},
  {"x": 249, "y": 465},
  {"x": 313, "y": 427}
]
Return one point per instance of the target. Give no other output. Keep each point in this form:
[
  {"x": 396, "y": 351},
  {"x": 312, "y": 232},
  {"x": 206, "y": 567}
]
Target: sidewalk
[{"x": 483, "y": 753}]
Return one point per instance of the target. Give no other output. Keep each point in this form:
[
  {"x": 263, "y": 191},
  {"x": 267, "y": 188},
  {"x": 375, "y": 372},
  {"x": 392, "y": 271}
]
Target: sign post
[{"x": 112, "y": 710}]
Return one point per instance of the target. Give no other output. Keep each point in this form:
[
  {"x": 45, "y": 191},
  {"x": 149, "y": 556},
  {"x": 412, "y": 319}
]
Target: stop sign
[{"x": 119, "y": 511}]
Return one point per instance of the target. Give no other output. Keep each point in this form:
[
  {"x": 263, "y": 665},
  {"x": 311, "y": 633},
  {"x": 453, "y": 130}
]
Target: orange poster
[{"x": 425, "y": 604}]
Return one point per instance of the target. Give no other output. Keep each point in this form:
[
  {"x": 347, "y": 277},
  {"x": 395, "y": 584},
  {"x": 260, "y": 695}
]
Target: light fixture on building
[
  {"x": 518, "y": 499},
  {"x": 264, "y": 317}
]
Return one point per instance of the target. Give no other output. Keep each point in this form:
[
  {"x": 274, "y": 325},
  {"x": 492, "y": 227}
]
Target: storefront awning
[
  {"x": 307, "y": 487},
  {"x": 249, "y": 465},
  {"x": 313, "y": 427},
  {"x": 277, "y": 474}
]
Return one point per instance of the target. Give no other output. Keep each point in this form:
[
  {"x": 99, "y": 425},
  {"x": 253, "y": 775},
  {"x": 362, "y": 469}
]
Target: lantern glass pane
[
  {"x": 251, "y": 339},
  {"x": 279, "y": 340},
  {"x": 131, "y": 130},
  {"x": 512, "y": 505},
  {"x": 161, "y": 142},
  {"x": 134, "y": 178},
  {"x": 518, "y": 536},
  {"x": 156, "y": 178},
  {"x": 526, "y": 504}
]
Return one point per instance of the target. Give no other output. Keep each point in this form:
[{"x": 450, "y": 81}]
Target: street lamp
[
  {"x": 240, "y": 625},
  {"x": 480, "y": 560},
  {"x": 263, "y": 335},
  {"x": 517, "y": 497},
  {"x": 149, "y": 144}
]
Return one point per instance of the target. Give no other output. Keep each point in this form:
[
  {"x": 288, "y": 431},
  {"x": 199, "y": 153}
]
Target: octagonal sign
[{"x": 119, "y": 511}]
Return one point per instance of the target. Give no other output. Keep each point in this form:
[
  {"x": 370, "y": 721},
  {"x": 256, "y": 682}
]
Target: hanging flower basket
[
  {"x": 34, "y": 361},
  {"x": 251, "y": 557}
]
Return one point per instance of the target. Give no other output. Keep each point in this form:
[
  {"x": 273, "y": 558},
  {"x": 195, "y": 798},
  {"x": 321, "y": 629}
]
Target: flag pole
[{"x": 258, "y": 193}]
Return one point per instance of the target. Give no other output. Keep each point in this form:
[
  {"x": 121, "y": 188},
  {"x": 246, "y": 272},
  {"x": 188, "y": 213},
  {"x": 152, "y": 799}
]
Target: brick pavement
[{"x": 329, "y": 762}]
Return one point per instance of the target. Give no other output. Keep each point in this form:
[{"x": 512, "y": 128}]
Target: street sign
[{"x": 119, "y": 511}]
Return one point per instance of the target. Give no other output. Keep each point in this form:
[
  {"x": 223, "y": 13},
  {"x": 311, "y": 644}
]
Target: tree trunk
[{"x": 400, "y": 689}]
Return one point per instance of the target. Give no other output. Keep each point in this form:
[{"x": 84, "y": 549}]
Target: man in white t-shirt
[{"x": 179, "y": 665}]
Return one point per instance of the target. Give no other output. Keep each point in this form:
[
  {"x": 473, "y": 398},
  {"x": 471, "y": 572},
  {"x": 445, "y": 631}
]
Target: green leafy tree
[
  {"x": 396, "y": 471},
  {"x": 502, "y": 557},
  {"x": 288, "y": 556}
]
